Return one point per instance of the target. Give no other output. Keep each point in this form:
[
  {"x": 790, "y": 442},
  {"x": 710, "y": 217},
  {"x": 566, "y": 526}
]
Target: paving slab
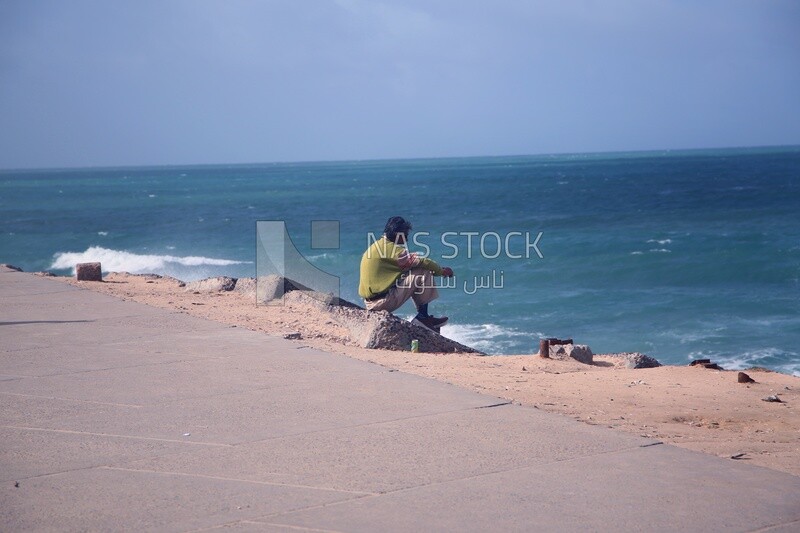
[
  {"x": 115, "y": 415},
  {"x": 398, "y": 454},
  {"x": 656, "y": 488},
  {"x": 104, "y": 499},
  {"x": 28, "y": 453},
  {"x": 242, "y": 417}
]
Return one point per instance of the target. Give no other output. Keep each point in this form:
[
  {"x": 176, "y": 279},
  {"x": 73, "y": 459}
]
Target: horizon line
[{"x": 368, "y": 160}]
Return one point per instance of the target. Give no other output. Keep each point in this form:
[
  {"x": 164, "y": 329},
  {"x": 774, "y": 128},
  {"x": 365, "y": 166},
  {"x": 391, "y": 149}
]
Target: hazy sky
[{"x": 112, "y": 82}]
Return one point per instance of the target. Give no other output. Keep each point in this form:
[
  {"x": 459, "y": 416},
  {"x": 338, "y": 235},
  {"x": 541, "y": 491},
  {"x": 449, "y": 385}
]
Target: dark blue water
[{"x": 676, "y": 254}]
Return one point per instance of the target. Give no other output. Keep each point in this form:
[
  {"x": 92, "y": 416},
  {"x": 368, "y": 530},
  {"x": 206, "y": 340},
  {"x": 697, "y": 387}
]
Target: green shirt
[{"x": 382, "y": 264}]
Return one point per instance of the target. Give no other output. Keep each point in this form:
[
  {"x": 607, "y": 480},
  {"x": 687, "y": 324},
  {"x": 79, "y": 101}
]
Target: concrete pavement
[{"x": 119, "y": 416}]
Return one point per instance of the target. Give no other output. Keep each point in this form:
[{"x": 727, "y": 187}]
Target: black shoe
[{"x": 430, "y": 322}]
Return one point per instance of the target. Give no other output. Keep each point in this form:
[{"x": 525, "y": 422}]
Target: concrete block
[
  {"x": 382, "y": 330},
  {"x": 88, "y": 272},
  {"x": 580, "y": 352},
  {"x": 217, "y": 284}
]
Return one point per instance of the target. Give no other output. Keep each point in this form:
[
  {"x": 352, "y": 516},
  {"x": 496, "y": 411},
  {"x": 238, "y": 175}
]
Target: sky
[{"x": 115, "y": 83}]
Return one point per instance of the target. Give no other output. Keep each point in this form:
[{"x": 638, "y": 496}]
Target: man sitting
[{"x": 390, "y": 275}]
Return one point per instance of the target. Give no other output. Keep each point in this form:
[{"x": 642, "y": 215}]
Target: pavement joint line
[
  {"x": 115, "y": 436},
  {"x": 162, "y": 401},
  {"x": 264, "y": 519},
  {"x": 27, "y": 295},
  {"x": 772, "y": 527},
  {"x": 123, "y": 367},
  {"x": 296, "y": 528},
  {"x": 355, "y": 426},
  {"x": 512, "y": 469},
  {"x": 72, "y": 399},
  {"x": 360, "y": 493},
  {"x": 255, "y": 522}
]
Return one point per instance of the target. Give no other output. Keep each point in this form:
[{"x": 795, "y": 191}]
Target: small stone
[
  {"x": 88, "y": 272},
  {"x": 713, "y": 366},
  {"x": 772, "y": 398},
  {"x": 700, "y": 362},
  {"x": 292, "y": 336},
  {"x": 744, "y": 378},
  {"x": 11, "y": 267}
]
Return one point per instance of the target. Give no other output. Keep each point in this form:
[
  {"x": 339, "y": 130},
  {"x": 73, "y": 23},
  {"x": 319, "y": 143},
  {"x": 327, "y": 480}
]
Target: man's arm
[{"x": 408, "y": 260}]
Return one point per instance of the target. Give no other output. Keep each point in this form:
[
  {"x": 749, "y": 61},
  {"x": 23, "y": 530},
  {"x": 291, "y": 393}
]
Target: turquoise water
[{"x": 679, "y": 255}]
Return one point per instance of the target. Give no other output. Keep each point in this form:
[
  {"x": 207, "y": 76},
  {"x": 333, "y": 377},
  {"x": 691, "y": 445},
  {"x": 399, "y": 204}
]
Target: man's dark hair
[{"x": 394, "y": 226}]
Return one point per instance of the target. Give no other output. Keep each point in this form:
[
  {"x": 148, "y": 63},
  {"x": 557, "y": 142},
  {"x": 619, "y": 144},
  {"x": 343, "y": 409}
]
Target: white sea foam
[
  {"x": 662, "y": 242},
  {"x": 489, "y": 338},
  {"x": 151, "y": 195},
  {"x": 103, "y": 233},
  {"x": 122, "y": 261},
  {"x": 661, "y": 250},
  {"x": 765, "y": 357},
  {"x": 637, "y": 253}
]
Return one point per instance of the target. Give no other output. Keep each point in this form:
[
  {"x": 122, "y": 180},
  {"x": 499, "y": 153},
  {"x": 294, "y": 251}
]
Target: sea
[{"x": 680, "y": 255}]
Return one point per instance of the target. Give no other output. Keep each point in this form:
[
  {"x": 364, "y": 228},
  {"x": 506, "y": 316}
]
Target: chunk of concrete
[
  {"x": 246, "y": 286},
  {"x": 579, "y": 352},
  {"x": 88, "y": 272},
  {"x": 218, "y": 284},
  {"x": 273, "y": 287},
  {"x": 383, "y": 330}
]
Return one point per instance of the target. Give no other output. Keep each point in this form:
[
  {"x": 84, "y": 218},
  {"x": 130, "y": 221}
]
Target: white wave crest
[
  {"x": 489, "y": 338},
  {"x": 122, "y": 261},
  {"x": 770, "y": 357},
  {"x": 662, "y": 242}
]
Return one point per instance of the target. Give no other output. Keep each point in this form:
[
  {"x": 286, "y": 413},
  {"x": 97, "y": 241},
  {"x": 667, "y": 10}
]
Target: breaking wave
[
  {"x": 122, "y": 261},
  {"x": 492, "y": 338},
  {"x": 770, "y": 357}
]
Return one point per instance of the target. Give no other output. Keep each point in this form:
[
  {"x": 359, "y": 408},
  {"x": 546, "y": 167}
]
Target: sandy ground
[{"x": 691, "y": 407}]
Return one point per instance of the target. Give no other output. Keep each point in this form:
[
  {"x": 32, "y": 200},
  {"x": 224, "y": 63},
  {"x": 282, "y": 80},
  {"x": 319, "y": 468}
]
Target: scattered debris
[
  {"x": 292, "y": 336},
  {"x": 524, "y": 369},
  {"x": 16, "y": 483},
  {"x": 772, "y": 398},
  {"x": 738, "y": 456},
  {"x": 706, "y": 363},
  {"x": 187, "y": 434},
  {"x": 744, "y": 378}
]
